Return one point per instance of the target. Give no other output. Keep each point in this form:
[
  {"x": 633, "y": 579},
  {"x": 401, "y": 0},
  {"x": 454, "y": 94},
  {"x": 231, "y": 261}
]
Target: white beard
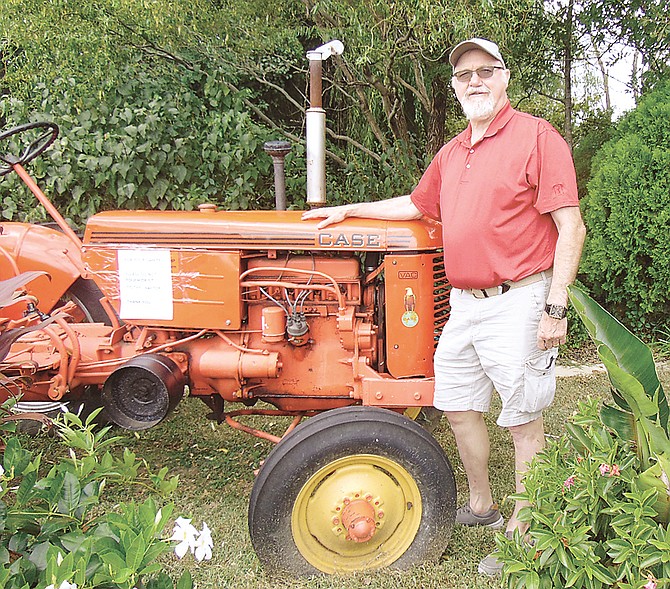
[{"x": 478, "y": 108}]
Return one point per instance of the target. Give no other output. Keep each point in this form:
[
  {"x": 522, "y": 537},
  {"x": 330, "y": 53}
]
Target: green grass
[{"x": 215, "y": 464}]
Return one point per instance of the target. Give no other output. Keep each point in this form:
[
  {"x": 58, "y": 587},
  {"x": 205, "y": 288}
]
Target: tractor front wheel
[{"x": 352, "y": 489}]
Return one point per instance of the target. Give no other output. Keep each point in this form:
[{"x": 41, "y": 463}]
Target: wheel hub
[
  {"x": 357, "y": 519},
  {"x": 374, "y": 515}
]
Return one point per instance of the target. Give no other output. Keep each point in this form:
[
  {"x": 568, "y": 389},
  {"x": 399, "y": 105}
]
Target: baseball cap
[{"x": 475, "y": 43}]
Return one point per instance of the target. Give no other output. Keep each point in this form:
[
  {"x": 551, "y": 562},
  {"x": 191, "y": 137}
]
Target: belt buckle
[{"x": 504, "y": 287}]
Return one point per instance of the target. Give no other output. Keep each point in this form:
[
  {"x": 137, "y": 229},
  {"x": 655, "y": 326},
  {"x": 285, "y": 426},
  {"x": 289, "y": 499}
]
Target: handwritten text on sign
[{"x": 145, "y": 284}]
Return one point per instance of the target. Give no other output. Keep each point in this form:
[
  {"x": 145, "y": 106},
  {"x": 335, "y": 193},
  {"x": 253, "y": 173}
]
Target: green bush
[
  {"x": 56, "y": 531},
  {"x": 171, "y": 141},
  {"x": 627, "y": 213},
  {"x": 599, "y": 496},
  {"x": 591, "y": 523}
]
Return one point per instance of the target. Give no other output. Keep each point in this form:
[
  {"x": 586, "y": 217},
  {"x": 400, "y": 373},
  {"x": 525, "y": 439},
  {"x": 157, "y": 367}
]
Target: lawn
[{"x": 216, "y": 468}]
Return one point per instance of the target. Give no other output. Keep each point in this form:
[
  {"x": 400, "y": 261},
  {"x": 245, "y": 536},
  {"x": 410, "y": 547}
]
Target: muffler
[
  {"x": 143, "y": 391},
  {"x": 315, "y": 124}
]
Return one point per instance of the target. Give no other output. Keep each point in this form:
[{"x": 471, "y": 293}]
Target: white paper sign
[{"x": 145, "y": 284}]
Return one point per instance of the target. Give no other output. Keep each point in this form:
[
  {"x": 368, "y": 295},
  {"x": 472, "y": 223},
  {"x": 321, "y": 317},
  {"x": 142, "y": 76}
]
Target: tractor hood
[{"x": 256, "y": 230}]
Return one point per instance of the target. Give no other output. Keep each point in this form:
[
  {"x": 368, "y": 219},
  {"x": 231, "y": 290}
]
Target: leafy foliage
[
  {"x": 388, "y": 98},
  {"x": 151, "y": 142},
  {"x": 53, "y": 529},
  {"x": 591, "y": 523},
  {"x": 590, "y": 136},
  {"x": 627, "y": 213},
  {"x": 598, "y": 496}
]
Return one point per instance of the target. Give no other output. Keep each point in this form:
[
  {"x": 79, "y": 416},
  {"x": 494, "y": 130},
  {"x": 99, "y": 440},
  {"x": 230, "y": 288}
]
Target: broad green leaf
[
  {"x": 657, "y": 478},
  {"x": 38, "y": 555},
  {"x": 622, "y": 422},
  {"x": 601, "y": 573},
  {"x": 70, "y": 494},
  {"x": 185, "y": 581},
  {"x": 15, "y": 457},
  {"x": 113, "y": 560},
  {"x": 135, "y": 553},
  {"x": 628, "y": 386},
  {"x": 579, "y": 438},
  {"x": 631, "y": 354},
  {"x": 26, "y": 490}
]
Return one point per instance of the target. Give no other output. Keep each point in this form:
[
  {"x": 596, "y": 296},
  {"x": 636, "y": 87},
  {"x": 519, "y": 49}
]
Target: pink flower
[
  {"x": 569, "y": 481},
  {"x": 604, "y": 469},
  {"x": 615, "y": 471},
  {"x": 651, "y": 584}
]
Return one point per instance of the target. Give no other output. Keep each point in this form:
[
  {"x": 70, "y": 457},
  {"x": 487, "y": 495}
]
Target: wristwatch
[{"x": 556, "y": 311}]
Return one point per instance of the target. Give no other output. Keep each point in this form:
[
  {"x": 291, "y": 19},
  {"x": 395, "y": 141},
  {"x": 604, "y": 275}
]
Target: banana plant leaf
[
  {"x": 10, "y": 287},
  {"x": 656, "y": 477},
  {"x": 627, "y": 359},
  {"x": 641, "y": 411}
]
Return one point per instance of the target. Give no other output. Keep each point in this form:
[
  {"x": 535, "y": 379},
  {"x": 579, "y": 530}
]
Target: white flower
[
  {"x": 185, "y": 534},
  {"x": 63, "y": 585},
  {"x": 203, "y": 545}
]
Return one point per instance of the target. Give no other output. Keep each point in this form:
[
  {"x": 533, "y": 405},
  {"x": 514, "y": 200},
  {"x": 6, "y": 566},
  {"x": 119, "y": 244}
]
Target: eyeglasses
[{"x": 484, "y": 73}]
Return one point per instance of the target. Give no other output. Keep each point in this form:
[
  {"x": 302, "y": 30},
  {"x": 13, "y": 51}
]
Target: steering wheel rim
[{"x": 33, "y": 149}]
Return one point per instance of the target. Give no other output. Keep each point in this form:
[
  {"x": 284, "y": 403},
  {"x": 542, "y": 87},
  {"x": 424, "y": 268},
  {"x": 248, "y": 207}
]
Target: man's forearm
[
  {"x": 400, "y": 208},
  {"x": 571, "y": 234}
]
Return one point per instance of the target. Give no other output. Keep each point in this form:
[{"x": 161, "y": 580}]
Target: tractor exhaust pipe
[{"x": 315, "y": 124}]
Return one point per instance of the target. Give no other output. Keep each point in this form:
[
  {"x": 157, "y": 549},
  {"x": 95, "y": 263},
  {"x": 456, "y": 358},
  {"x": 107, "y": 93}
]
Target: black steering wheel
[{"x": 34, "y": 148}]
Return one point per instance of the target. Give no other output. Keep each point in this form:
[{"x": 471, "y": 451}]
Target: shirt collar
[{"x": 500, "y": 120}]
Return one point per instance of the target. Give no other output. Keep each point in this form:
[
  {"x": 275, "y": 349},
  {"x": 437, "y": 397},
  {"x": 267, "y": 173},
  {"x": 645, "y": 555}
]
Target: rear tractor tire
[
  {"x": 352, "y": 489},
  {"x": 86, "y": 295}
]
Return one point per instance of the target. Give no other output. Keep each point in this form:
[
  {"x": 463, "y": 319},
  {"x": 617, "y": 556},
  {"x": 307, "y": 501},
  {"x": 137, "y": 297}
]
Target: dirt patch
[{"x": 584, "y": 354}]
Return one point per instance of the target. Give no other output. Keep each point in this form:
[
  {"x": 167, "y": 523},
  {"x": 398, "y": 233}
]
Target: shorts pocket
[{"x": 539, "y": 381}]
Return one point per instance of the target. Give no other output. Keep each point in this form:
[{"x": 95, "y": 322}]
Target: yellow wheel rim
[
  {"x": 317, "y": 526},
  {"x": 413, "y": 412}
]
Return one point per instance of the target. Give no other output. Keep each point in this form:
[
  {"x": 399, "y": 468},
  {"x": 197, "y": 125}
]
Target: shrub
[
  {"x": 627, "y": 213},
  {"x": 55, "y": 532},
  {"x": 171, "y": 141},
  {"x": 599, "y": 496},
  {"x": 591, "y": 522}
]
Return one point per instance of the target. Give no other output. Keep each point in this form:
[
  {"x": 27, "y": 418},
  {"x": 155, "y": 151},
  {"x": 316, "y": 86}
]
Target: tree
[
  {"x": 643, "y": 25},
  {"x": 627, "y": 213}
]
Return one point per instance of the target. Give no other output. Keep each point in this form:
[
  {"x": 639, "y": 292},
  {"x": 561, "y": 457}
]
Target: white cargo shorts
[{"x": 491, "y": 343}]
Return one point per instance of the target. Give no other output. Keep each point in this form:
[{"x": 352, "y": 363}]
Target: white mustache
[{"x": 477, "y": 92}]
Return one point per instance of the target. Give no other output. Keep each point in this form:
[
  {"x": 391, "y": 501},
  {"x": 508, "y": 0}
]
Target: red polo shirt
[{"x": 494, "y": 199}]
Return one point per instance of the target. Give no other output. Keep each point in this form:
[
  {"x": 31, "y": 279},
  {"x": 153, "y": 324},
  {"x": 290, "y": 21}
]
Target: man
[{"x": 506, "y": 194}]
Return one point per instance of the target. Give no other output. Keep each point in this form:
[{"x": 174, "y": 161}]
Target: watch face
[{"x": 556, "y": 311}]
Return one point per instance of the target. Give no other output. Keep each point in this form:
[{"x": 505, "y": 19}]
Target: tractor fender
[{"x": 25, "y": 247}]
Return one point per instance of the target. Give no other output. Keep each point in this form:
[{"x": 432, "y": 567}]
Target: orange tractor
[{"x": 255, "y": 313}]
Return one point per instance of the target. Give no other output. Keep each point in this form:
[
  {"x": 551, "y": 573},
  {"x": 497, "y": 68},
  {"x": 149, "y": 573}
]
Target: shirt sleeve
[
  {"x": 554, "y": 172},
  {"x": 426, "y": 195}
]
